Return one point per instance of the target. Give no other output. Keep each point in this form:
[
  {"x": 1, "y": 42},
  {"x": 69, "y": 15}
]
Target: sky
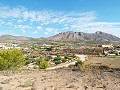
[{"x": 45, "y": 18}]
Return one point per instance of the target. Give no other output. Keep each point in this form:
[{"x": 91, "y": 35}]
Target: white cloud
[
  {"x": 6, "y": 12},
  {"x": 50, "y": 29},
  {"x": 46, "y": 33},
  {"x": 35, "y": 32},
  {"x": 76, "y": 21},
  {"x": 20, "y": 21},
  {"x": 44, "y": 16},
  {"x": 9, "y": 23},
  {"x": 23, "y": 28},
  {"x": 39, "y": 27},
  {"x": 6, "y": 32},
  {"x": 2, "y": 22}
]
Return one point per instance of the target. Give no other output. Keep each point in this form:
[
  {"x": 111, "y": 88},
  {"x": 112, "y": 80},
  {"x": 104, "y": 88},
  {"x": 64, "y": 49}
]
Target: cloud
[
  {"x": 23, "y": 28},
  {"x": 35, "y": 32},
  {"x": 6, "y": 32},
  {"x": 2, "y": 22},
  {"x": 6, "y": 12},
  {"x": 96, "y": 26},
  {"x": 44, "y": 16},
  {"x": 39, "y": 27},
  {"x": 9, "y": 23},
  {"x": 50, "y": 22},
  {"x": 20, "y": 21},
  {"x": 51, "y": 30}
]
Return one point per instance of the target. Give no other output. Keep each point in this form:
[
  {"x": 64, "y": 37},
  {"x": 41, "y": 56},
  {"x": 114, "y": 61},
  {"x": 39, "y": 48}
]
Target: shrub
[
  {"x": 57, "y": 60},
  {"x": 3, "y": 64},
  {"x": 79, "y": 64},
  {"x": 43, "y": 64},
  {"x": 28, "y": 61},
  {"x": 11, "y": 59}
]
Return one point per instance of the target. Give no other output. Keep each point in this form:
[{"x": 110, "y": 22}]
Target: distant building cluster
[
  {"x": 111, "y": 50},
  {"x": 9, "y": 46},
  {"x": 107, "y": 46}
]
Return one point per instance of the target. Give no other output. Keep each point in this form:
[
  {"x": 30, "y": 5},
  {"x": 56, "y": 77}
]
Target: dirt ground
[{"x": 96, "y": 76}]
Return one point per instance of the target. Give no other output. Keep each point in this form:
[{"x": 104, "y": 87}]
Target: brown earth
[{"x": 98, "y": 75}]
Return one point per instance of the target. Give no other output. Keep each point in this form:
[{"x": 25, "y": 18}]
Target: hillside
[
  {"x": 65, "y": 36},
  {"x": 10, "y": 38},
  {"x": 77, "y": 36}
]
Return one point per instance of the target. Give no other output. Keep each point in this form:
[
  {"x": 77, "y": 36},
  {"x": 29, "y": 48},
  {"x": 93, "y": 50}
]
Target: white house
[{"x": 107, "y": 46}]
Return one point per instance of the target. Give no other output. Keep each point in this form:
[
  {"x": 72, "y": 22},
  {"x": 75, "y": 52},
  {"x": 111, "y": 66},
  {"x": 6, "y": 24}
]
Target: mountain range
[
  {"x": 78, "y": 36},
  {"x": 67, "y": 36},
  {"x": 11, "y": 38}
]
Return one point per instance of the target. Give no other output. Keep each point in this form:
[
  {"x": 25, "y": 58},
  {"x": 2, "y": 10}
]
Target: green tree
[
  {"x": 3, "y": 64},
  {"x": 43, "y": 64},
  {"x": 11, "y": 59}
]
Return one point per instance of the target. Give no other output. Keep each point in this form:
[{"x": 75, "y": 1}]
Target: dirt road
[{"x": 82, "y": 58}]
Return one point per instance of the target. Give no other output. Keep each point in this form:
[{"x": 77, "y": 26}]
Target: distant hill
[
  {"x": 65, "y": 36},
  {"x": 10, "y": 38},
  {"x": 77, "y": 36}
]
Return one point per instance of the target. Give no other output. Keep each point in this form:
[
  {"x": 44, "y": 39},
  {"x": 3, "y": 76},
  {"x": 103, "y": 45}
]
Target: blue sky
[{"x": 44, "y": 18}]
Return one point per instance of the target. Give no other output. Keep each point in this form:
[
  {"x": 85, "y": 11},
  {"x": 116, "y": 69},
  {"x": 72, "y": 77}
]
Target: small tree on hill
[
  {"x": 43, "y": 64},
  {"x": 11, "y": 59}
]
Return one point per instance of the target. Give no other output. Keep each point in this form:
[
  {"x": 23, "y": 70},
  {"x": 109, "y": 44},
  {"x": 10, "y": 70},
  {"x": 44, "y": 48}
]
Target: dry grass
[{"x": 104, "y": 61}]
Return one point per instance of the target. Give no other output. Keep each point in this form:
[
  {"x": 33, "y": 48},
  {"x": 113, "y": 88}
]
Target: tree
[
  {"x": 43, "y": 64},
  {"x": 3, "y": 64},
  {"x": 11, "y": 59}
]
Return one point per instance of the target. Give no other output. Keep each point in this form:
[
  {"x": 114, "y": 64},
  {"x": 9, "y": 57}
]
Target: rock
[
  {"x": 85, "y": 87},
  {"x": 7, "y": 81}
]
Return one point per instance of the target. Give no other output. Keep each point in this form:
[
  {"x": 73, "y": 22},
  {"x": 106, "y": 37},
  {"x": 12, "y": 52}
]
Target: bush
[
  {"x": 3, "y": 64},
  {"x": 43, "y": 64},
  {"x": 57, "y": 60},
  {"x": 11, "y": 59},
  {"x": 28, "y": 61},
  {"x": 79, "y": 64}
]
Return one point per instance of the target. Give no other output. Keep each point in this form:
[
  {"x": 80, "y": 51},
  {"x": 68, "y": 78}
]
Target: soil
[{"x": 94, "y": 76}]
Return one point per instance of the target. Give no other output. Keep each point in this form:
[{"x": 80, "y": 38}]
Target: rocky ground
[{"x": 92, "y": 78}]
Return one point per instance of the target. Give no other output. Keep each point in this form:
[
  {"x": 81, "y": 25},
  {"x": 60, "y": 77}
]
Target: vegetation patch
[
  {"x": 11, "y": 59},
  {"x": 79, "y": 63},
  {"x": 43, "y": 63}
]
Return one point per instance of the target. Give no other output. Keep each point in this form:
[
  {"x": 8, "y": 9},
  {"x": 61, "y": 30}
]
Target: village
[
  {"x": 59, "y": 53},
  {"x": 106, "y": 50}
]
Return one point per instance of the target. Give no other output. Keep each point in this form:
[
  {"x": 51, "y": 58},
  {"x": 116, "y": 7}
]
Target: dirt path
[
  {"x": 61, "y": 66},
  {"x": 82, "y": 58}
]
